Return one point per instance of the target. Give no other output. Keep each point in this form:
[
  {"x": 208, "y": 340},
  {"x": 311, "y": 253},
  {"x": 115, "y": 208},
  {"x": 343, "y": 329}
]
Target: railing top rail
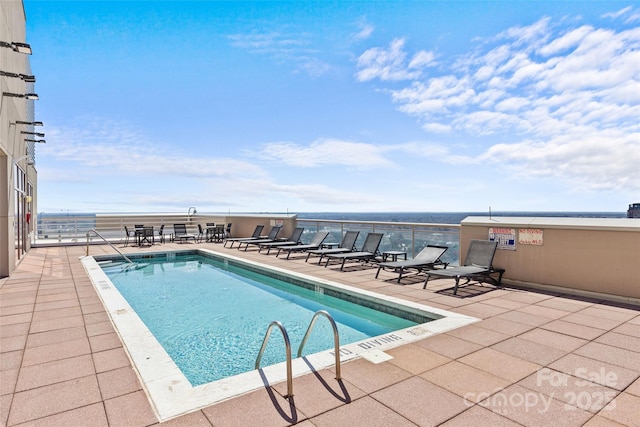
[{"x": 411, "y": 224}]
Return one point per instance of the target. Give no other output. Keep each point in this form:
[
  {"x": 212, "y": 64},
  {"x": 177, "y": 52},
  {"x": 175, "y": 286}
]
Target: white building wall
[{"x": 12, "y": 144}]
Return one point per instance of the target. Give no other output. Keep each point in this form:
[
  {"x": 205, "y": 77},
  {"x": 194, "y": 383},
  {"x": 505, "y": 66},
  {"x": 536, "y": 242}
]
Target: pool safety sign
[
  {"x": 530, "y": 236},
  {"x": 506, "y": 237}
]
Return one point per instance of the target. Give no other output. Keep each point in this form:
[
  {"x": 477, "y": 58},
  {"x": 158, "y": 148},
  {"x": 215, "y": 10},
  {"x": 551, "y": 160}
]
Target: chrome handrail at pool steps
[
  {"x": 287, "y": 344},
  {"x": 106, "y": 241},
  {"x": 336, "y": 337}
]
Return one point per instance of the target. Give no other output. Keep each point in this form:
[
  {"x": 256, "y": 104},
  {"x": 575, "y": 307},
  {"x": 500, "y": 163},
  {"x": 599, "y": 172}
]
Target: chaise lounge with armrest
[
  {"x": 348, "y": 244},
  {"x": 315, "y": 243},
  {"x": 427, "y": 258},
  {"x": 272, "y": 237},
  {"x": 369, "y": 251},
  {"x": 255, "y": 235},
  {"x": 478, "y": 266},
  {"x": 294, "y": 239}
]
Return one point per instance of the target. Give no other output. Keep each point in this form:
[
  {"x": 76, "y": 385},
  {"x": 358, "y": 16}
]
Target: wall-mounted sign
[
  {"x": 530, "y": 236},
  {"x": 506, "y": 237}
]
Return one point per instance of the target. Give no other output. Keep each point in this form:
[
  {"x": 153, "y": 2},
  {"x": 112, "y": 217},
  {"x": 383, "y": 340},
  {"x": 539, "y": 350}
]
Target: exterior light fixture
[
  {"x": 17, "y": 47},
  {"x": 40, "y": 141},
  {"x": 38, "y": 134},
  {"x": 192, "y": 211},
  {"x": 26, "y": 78},
  {"x": 31, "y": 96},
  {"x": 20, "y": 122}
]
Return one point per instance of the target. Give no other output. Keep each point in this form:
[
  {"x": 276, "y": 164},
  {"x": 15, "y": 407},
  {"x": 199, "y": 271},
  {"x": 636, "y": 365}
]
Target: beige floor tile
[
  {"x": 55, "y": 336},
  {"x": 428, "y": 404},
  {"x": 131, "y": 410},
  {"x": 62, "y": 323},
  {"x": 6, "y": 320},
  {"x": 118, "y": 382},
  {"x": 467, "y": 382},
  {"x": 565, "y": 304},
  {"x": 110, "y": 359},
  {"x": 592, "y": 321},
  {"x": 620, "y": 341},
  {"x": 415, "y": 359},
  {"x": 478, "y": 416},
  {"x": 194, "y": 419},
  {"x": 449, "y": 346},
  {"x": 607, "y": 353},
  {"x": 12, "y": 343},
  {"x": 530, "y": 408},
  {"x": 104, "y": 342},
  {"x": 46, "y": 373},
  {"x": 8, "y": 379},
  {"x": 91, "y": 415},
  {"x": 365, "y": 412},
  {"x": 18, "y": 329},
  {"x": 612, "y": 313},
  {"x": 11, "y": 360},
  {"x": 370, "y": 377},
  {"x": 573, "y": 329},
  {"x": 634, "y": 388},
  {"x": 526, "y": 317},
  {"x": 260, "y": 408},
  {"x": 599, "y": 421},
  {"x": 628, "y": 328},
  {"x": 45, "y": 315},
  {"x": 320, "y": 392},
  {"x": 554, "y": 339},
  {"x": 529, "y": 350},
  {"x": 574, "y": 391},
  {"x": 504, "y": 326},
  {"x": 624, "y": 409},
  {"x": 612, "y": 376},
  {"x": 478, "y": 335},
  {"x": 56, "y": 351},
  {"x": 500, "y": 364},
  {"x": 54, "y": 399}
]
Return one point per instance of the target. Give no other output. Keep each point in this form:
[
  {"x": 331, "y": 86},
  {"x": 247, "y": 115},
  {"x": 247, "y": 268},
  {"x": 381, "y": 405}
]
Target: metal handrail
[
  {"x": 336, "y": 338},
  {"x": 288, "y": 348},
  {"x": 106, "y": 241}
]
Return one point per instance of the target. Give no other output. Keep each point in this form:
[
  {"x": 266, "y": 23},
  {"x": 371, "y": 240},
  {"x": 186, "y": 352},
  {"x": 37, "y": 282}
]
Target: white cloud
[
  {"x": 391, "y": 64},
  {"x": 563, "y": 101},
  {"x": 365, "y": 30},
  {"x": 327, "y": 152}
]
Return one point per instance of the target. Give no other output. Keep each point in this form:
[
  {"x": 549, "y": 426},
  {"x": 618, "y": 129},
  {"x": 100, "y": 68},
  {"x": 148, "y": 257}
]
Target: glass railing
[
  {"x": 398, "y": 236},
  {"x": 52, "y": 229}
]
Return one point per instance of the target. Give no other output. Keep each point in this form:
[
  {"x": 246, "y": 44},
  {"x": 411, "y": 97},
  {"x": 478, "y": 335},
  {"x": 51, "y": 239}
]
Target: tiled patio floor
[{"x": 534, "y": 359}]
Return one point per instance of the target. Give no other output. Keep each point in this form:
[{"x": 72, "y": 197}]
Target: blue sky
[{"x": 156, "y": 106}]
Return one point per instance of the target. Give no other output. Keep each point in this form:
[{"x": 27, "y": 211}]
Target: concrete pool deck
[{"x": 534, "y": 359}]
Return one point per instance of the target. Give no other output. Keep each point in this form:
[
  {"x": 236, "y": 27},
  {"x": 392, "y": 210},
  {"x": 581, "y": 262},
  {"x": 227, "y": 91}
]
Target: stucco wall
[{"x": 580, "y": 255}]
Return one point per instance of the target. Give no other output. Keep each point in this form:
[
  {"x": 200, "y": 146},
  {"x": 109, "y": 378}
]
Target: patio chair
[
  {"x": 255, "y": 235},
  {"x": 478, "y": 266},
  {"x": 272, "y": 237},
  {"x": 315, "y": 243},
  {"x": 294, "y": 239},
  {"x": 369, "y": 251},
  {"x": 127, "y": 234},
  {"x": 347, "y": 244},
  {"x": 227, "y": 232},
  {"x": 180, "y": 233},
  {"x": 200, "y": 235},
  {"x": 427, "y": 258},
  {"x": 161, "y": 234}
]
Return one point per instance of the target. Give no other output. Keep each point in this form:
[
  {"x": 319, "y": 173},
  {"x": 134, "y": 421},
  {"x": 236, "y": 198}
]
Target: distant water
[{"x": 445, "y": 217}]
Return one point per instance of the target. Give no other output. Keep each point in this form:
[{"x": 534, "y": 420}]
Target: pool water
[{"x": 211, "y": 315}]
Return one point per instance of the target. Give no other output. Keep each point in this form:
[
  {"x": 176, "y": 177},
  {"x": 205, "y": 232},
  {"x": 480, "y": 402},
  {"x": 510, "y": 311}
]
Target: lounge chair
[
  {"x": 255, "y": 235},
  {"x": 369, "y": 251},
  {"x": 347, "y": 244},
  {"x": 427, "y": 258},
  {"x": 315, "y": 243},
  {"x": 294, "y": 239},
  {"x": 478, "y": 266},
  {"x": 272, "y": 237},
  {"x": 180, "y": 233}
]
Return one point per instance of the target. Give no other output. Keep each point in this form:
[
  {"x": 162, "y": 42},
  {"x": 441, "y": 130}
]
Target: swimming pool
[
  {"x": 170, "y": 392},
  {"x": 211, "y": 315}
]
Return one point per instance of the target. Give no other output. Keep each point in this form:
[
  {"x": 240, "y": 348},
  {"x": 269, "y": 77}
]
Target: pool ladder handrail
[
  {"x": 287, "y": 343},
  {"x": 336, "y": 338},
  {"x": 107, "y": 242}
]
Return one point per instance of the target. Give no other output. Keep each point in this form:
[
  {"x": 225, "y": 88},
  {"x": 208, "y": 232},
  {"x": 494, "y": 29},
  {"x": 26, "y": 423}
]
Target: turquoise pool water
[{"x": 211, "y": 315}]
